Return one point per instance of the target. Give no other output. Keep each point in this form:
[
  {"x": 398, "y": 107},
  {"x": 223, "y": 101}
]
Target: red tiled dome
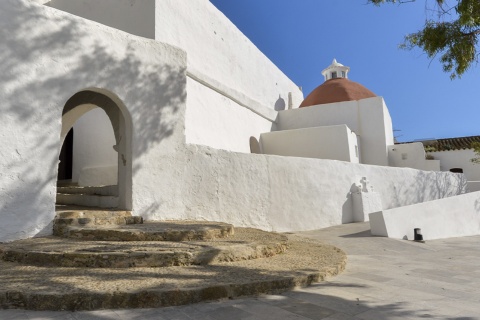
[{"x": 337, "y": 90}]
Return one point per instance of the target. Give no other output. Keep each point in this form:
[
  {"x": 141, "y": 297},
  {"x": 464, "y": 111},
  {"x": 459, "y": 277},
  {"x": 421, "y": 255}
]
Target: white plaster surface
[
  {"x": 219, "y": 122},
  {"x": 133, "y": 16},
  {"x": 235, "y": 96},
  {"x": 328, "y": 142},
  {"x": 411, "y": 155},
  {"x": 274, "y": 192},
  {"x": 40, "y": 1},
  {"x": 98, "y": 176},
  {"x": 218, "y": 49},
  {"x": 473, "y": 186},
  {"x": 459, "y": 159},
  {"x": 368, "y": 118},
  {"x": 457, "y": 216},
  {"x": 94, "y": 159},
  {"x": 365, "y": 203},
  {"x": 41, "y": 69},
  {"x": 222, "y": 63},
  {"x": 220, "y": 55}
]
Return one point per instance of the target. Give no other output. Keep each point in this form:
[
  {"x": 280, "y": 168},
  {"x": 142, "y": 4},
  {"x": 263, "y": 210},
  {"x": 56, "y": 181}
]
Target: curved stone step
[
  {"x": 87, "y": 200},
  {"x": 154, "y": 231},
  {"x": 47, "y": 288},
  {"x": 76, "y": 212},
  {"x": 99, "y": 191},
  {"x": 58, "y": 252},
  {"x": 91, "y": 218}
]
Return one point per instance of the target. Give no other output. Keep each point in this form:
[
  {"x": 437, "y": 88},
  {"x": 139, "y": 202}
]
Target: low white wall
[
  {"x": 368, "y": 118},
  {"x": 411, "y": 155},
  {"x": 459, "y": 159},
  {"x": 473, "y": 186},
  {"x": 133, "y": 16},
  {"x": 329, "y": 142},
  {"x": 274, "y": 192},
  {"x": 457, "y": 216},
  {"x": 95, "y": 162}
]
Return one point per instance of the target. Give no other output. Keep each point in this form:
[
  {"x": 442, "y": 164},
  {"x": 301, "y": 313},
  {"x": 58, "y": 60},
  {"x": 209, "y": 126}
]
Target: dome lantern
[{"x": 335, "y": 70}]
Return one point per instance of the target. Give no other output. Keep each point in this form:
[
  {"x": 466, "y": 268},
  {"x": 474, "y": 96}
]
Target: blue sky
[{"x": 303, "y": 36}]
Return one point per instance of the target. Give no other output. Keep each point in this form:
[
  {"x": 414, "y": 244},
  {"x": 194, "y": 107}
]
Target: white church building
[{"x": 172, "y": 108}]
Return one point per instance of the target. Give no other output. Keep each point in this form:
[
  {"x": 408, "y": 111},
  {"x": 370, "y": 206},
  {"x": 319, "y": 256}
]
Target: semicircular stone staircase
[{"x": 101, "y": 258}]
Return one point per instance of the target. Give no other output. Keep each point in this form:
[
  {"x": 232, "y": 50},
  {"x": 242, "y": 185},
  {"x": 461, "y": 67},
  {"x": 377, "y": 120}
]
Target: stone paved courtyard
[{"x": 384, "y": 279}]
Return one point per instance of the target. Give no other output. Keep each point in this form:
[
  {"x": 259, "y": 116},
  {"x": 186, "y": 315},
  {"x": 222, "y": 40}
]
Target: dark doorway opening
[{"x": 65, "y": 167}]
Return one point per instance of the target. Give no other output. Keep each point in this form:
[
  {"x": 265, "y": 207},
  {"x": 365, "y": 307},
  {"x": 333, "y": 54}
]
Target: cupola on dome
[{"x": 336, "y": 88}]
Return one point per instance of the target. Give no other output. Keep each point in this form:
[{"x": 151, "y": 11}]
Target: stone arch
[{"x": 120, "y": 118}]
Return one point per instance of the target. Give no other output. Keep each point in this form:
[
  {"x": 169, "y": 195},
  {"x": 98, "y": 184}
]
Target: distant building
[{"x": 453, "y": 155}]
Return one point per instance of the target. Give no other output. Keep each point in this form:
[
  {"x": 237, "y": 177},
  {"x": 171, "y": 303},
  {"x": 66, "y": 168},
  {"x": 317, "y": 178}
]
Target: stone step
[
  {"x": 66, "y": 183},
  {"x": 59, "y": 252},
  {"x": 98, "y": 191},
  {"x": 50, "y": 288},
  {"x": 92, "y": 213},
  {"x": 93, "y": 222},
  {"x": 87, "y": 200},
  {"x": 66, "y": 219},
  {"x": 62, "y": 226},
  {"x": 153, "y": 231}
]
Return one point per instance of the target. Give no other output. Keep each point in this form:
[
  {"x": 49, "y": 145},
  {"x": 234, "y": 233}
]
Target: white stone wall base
[
  {"x": 365, "y": 203},
  {"x": 457, "y": 216}
]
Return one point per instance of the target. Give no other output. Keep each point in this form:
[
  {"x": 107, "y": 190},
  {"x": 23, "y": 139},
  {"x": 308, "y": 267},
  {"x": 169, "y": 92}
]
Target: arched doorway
[{"x": 120, "y": 120}]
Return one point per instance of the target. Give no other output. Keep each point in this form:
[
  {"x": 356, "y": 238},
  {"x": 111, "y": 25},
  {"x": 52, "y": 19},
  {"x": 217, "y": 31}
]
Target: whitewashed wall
[
  {"x": 411, "y": 155},
  {"x": 95, "y": 162},
  {"x": 218, "y": 50},
  {"x": 48, "y": 56},
  {"x": 445, "y": 218},
  {"x": 328, "y": 142},
  {"x": 43, "y": 68},
  {"x": 459, "y": 159},
  {"x": 443, "y": 160},
  {"x": 368, "y": 118},
  {"x": 133, "y": 16},
  {"x": 219, "y": 122},
  {"x": 274, "y": 192}
]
